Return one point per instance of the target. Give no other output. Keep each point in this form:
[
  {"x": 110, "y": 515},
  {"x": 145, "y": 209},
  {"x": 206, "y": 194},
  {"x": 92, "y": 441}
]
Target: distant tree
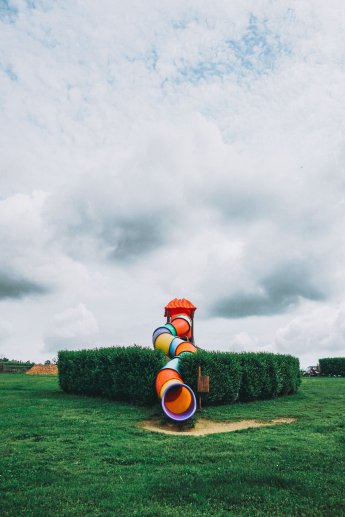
[{"x": 47, "y": 362}]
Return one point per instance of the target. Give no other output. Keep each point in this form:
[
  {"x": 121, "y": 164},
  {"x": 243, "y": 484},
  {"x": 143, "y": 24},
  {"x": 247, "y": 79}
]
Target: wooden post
[
  {"x": 199, "y": 392},
  {"x": 203, "y": 385}
]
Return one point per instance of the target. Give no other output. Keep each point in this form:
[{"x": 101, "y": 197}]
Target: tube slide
[{"x": 178, "y": 399}]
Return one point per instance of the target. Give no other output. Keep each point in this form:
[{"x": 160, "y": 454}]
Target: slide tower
[{"x": 175, "y": 339}]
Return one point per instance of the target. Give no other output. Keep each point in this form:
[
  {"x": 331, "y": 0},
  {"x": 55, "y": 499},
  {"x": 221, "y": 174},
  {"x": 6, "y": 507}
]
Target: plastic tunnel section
[{"x": 178, "y": 399}]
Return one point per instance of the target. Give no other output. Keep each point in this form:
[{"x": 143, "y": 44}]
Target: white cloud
[
  {"x": 75, "y": 326},
  {"x": 74, "y": 322},
  {"x": 244, "y": 342},
  {"x": 6, "y": 329},
  {"x": 321, "y": 330}
]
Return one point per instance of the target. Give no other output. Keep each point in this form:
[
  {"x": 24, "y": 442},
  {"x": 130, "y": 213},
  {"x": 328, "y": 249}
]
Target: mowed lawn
[{"x": 68, "y": 455}]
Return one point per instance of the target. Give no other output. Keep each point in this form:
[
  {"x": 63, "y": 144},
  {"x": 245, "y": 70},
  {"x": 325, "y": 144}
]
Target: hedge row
[
  {"x": 119, "y": 373},
  {"x": 129, "y": 374},
  {"x": 244, "y": 376},
  {"x": 14, "y": 367},
  {"x": 332, "y": 366}
]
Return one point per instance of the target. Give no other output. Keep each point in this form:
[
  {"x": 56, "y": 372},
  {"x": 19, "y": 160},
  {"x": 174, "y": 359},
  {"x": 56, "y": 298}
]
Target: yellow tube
[{"x": 163, "y": 342}]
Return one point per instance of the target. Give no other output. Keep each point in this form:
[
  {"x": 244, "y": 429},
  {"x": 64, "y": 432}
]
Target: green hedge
[
  {"x": 332, "y": 366},
  {"x": 129, "y": 374},
  {"x": 266, "y": 375},
  {"x": 118, "y": 373},
  {"x": 243, "y": 377},
  {"x": 14, "y": 367}
]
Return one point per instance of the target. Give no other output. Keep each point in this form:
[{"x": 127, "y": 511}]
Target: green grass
[{"x": 66, "y": 455}]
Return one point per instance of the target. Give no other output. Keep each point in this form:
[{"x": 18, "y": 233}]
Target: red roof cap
[{"x": 180, "y": 304}]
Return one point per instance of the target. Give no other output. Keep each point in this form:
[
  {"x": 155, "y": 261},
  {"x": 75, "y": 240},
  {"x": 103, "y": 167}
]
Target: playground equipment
[{"x": 176, "y": 338}]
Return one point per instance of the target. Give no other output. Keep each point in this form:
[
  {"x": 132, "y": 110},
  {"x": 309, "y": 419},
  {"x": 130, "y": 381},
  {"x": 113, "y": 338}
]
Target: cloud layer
[{"x": 152, "y": 151}]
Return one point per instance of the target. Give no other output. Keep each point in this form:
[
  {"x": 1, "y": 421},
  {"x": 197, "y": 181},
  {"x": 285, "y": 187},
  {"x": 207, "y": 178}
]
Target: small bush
[
  {"x": 332, "y": 366},
  {"x": 119, "y": 373}
]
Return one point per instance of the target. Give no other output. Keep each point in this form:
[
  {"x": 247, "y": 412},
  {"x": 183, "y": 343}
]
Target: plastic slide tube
[{"x": 178, "y": 399}]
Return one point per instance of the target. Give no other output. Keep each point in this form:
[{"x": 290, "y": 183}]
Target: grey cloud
[
  {"x": 17, "y": 287},
  {"x": 106, "y": 225},
  {"x": 276, "y": 294},
  {"x": 243, "y": 206},
  {"x": 251, "y": 203},
  {"x": 129, "y": 239},
  {"x": 116, "y": 239}
]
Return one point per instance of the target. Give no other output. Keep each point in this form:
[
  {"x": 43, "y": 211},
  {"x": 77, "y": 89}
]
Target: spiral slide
[{"x": 178, "y": 399}]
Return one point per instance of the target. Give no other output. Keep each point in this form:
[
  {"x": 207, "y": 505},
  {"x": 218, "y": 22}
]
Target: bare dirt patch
[
  {"x": 204, "y": 426},
  {"x": 43, "y": 369}
]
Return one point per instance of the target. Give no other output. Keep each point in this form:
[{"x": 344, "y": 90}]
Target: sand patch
[
  {"x": 204, "y": 426},
  {"x": 43, "y": 369}
]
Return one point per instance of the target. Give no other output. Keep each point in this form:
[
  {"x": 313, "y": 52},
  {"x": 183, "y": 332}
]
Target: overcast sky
[{"x": 161, "y": 149}]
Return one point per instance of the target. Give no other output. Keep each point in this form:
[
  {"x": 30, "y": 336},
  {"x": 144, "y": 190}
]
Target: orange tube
[
  {"x": 164, "y": 376},
  {"x": 181, "y": 326},
  {"x": 185, "y": 347}
]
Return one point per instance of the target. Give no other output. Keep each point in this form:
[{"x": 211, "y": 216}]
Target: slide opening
[{"x": 179, "y": 402}]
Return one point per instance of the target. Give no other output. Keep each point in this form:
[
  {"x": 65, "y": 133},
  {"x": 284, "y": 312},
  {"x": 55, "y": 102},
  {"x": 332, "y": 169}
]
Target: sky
[{"x": 161, "y": 149}]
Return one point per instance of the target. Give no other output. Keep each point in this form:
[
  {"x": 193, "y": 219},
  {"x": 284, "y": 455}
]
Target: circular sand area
[{"x": 204, "y": 426}]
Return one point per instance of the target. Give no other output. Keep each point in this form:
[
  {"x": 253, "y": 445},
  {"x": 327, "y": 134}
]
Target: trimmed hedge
[
  {"x": 244, "y": 376},
  {"x": 266, "y": 375},
  {"x": 118, "y": 373},
  {"x": 332, "y": 366},
  {"x": 129, "y": 373},
  {"x": 14, "y": 366}
]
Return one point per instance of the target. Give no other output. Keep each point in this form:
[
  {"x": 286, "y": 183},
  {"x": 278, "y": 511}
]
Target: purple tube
[{"x": 180, "y": 417}]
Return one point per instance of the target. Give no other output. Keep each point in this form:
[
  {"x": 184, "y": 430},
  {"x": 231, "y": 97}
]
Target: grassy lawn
[{"x": 67, "y": 455}]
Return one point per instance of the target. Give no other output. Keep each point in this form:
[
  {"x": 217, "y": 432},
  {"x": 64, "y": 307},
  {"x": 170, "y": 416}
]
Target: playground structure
[{"x": 176, "y": 339}]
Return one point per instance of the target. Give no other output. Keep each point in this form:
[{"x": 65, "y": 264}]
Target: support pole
[
  {"x": 192, "y": 318},
  {"x": 199, "y": 378}
]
